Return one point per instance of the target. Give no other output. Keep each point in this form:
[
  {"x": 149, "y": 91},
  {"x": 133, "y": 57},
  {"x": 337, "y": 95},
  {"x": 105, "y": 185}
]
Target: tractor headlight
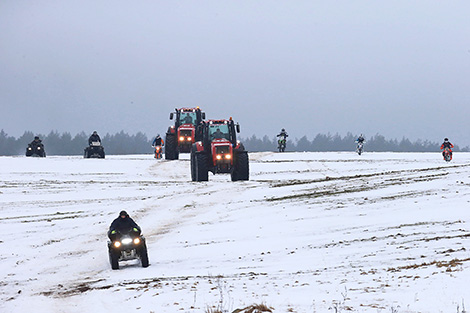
[
  {"x": 228, "y": 156},
  {"x": 218, "y": 157},
  {"x": 188, "y": 138},
  {"x": 181, "y": 138},
  {"x": 117, "y": 244},
  {"x": 136, "y": 241}
]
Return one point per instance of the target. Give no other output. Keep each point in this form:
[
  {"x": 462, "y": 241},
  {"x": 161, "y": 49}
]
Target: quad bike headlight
[
  {"x": 117, "y": 244},
  {"x": 126, "y": 241},
  {"x": 39, "y": 148},
  {"x": 136, "y": 241}
]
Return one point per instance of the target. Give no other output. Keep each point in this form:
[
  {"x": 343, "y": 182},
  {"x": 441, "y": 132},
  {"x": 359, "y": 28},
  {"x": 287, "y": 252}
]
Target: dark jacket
[
  {"x": 36, "y": 143},
  {"x": 157, "y": 142},
  {"x": 123, "y": 225},
  {"x": 447, "y": 144},
  {"x": 94, "y": 138},
  {"x": 283, "y": 134}
]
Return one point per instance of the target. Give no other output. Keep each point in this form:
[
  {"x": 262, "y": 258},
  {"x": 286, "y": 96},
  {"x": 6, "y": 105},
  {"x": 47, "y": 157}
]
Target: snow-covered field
[{"x": 310, "y": 232}]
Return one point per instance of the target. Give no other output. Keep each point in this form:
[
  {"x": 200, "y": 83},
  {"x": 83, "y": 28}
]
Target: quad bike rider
[
  {"x": 36, "y": 148},
  {"x": 282, "y": 141},
  {"x": 181, "y": 136},
  {"x": 447, "y": 147},
  {"x": 157, "y": 145},
  {"x": 360, "y": 144},
  {"x": 126, "y": 241},
  {"x": 94, "y": 149},
  {"x": 218, "y": 151}
]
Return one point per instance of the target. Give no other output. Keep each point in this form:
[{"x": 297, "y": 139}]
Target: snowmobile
[
  {"x": 127, "y": 246},
  {"x": 158, "y": 152},
  {"x": 35, "y": 151},
  {"x": 447, "y": 154},
  {"x": 360, "y": 148},
  {"x": 94, "y": 150},
  {"x": 281, "y": 143}
]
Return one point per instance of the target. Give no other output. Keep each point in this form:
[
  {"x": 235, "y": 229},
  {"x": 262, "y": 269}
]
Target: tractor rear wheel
[
  {"x": 193, "y": 164},
  {"x": 241, "y": 170},
  {"x": 201, "y": 171},
  {"x": 171, "y": 152}
]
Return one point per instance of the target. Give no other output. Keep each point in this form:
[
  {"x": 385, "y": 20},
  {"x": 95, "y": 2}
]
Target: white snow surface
[{"x": 310, "y": 232}]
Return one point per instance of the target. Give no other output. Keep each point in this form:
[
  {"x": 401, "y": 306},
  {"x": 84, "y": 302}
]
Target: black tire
[
  {"x": 114, "y": 260},
  {"x": 201, "y": 170},
  {"x": 144, "y": 257},
  {"x": 241, "y": 170},
  {"x": 193, "y": 163},
  {"x": 171, "y": 152}
]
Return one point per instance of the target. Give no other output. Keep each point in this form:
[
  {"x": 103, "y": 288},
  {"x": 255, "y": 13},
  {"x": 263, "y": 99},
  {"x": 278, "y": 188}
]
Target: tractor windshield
[
  {"x": 219, "y": 131},
  {"x": 188, "y": 118}
]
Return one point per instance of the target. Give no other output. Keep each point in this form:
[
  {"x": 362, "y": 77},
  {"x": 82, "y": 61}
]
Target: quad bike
[
  {"x": 94, "y": 150},
  {"x": 218, "y": 151},
  {"x": 158, "y": 152},
  {"x": 36, "y": 151},
  {"x": 447, "y": 153},
  {"x": 180, "y": 136},
  {"x": 281, "y": 143},
  {"x": 360, "y": 148},
  {"x": 127, "y": 246}
]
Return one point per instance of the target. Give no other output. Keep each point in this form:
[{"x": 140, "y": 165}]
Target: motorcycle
[
  {"x": 35, "y": 151},
  {"x": 360, "y": 148},
  {"x": 158, "y": 152},
  {"x": 281, "y": 144},
  {"x": 447, "y": 154},
  {"x": 127, "y": 246}
]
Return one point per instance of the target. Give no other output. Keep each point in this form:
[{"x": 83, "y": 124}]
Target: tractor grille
[
  {"x": 222, "y": 149},
  {"x": 186, "y": 133}
]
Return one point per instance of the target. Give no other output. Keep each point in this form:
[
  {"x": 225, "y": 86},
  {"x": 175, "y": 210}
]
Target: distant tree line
[{"x": 123, "y": 143}]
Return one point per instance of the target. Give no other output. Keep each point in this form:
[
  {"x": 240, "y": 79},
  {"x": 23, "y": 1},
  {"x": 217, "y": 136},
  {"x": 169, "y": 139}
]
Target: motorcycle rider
[
  {"x": 158, "y": 141},
  {"x": 448, "y": 145},
  {"x": 360, "y": 139},
  {"x": 283, "y": 133},
  {"x": 94, "y": 138},
  {"x": 123, "y": 224}
]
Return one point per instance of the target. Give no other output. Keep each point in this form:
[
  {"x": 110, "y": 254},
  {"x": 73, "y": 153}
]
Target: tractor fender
[{"x": 198, "y": 146}]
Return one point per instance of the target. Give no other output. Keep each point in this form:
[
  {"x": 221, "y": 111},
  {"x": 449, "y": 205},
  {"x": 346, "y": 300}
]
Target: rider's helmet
[
  {"x": 158, "y": 135},
  {"x": 123, "y": 214},
  {"x": 283, "y": 129},
  {"x": 95, "y": 133},
  {"x": 446, "y": 139},
  {"x": 36, "y": 137}
]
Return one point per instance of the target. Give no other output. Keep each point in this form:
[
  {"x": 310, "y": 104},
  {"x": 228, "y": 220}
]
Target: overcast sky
[{"x": 398, "y": 68}]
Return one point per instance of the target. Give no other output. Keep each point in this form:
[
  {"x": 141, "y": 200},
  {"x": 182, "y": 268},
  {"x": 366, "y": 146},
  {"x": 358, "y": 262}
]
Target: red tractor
[
  {"x": 181, "y": 136},
  {"x": 218, "y": 151}
]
